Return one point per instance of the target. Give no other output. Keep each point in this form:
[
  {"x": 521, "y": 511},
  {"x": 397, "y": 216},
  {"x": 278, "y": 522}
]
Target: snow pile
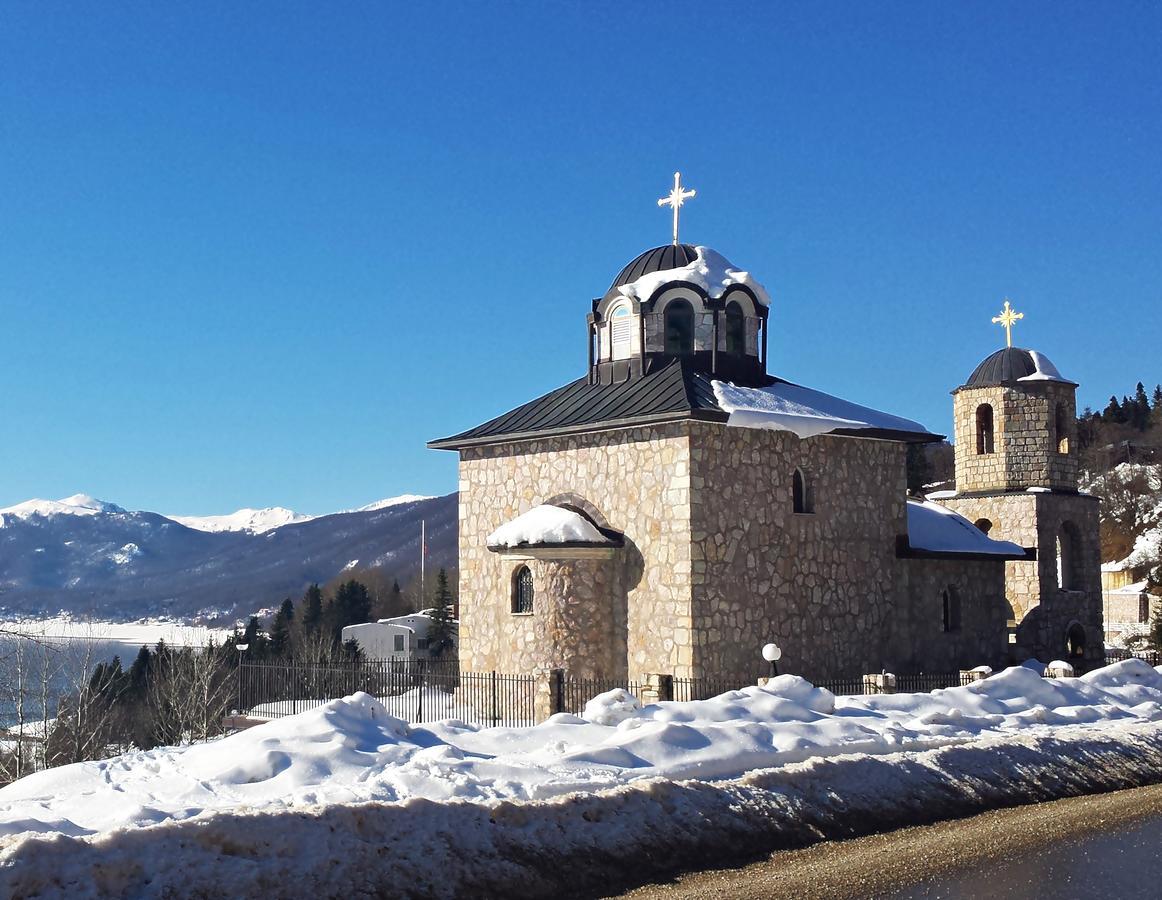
[
  {"x": 76, "y": 505},
  {"x": 1045, "y": 370},
  {"x": 805, "y": 412},
  {"x": 937, "y": 528},
  {"x": 547, "y": 524},
  {"x": 710, "y": 271},
  {"x": 352, "y": 750},
  {"x": 256, "y": 521}
]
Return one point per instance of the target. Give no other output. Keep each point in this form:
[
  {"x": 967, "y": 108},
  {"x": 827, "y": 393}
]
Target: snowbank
[
  {"x": 805, "y": 412},
  {"x": 937, "y": 528},
  {"x": 1044, "y": 370},
  {"x": 547, "y": 525},
  {"x": 352, "y": 750},
  {"x": 580, "y": 843}
]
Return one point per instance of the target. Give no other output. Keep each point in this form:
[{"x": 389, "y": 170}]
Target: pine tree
[
  {"x": 312, "y": 610},
  {"x": 1158, "y": 398},
  {"x": 1113, "y": 412},
  {"x": 280, "y": 628},
  {"x": 351, "y": 606},
  {"x": 1140, "y": 411},
  {"x": 919, "y": 468},
  {"x": 440, "y": 631}
]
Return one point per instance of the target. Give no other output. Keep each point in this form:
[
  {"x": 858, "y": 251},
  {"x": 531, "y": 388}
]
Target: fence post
[
  {"x": 557, "y": 685},
  {"x": 656, "y": 687},
  {"x": 420, "y": 701},
  {"x": 880, "y": 683},
  {"x": 495, "y": 716}
]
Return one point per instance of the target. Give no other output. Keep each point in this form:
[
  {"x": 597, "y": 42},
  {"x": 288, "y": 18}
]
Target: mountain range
[{"x": 87, "y": 556}]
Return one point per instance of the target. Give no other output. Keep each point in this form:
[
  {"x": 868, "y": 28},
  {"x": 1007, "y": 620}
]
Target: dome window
[
  {"x": 621, "y": 333},
  {"x": 735, "y": 329},
  {"x": 802, "y": 493},
  {"x": 679, "y": 317},
  {"x": 1061, "y": 428}
]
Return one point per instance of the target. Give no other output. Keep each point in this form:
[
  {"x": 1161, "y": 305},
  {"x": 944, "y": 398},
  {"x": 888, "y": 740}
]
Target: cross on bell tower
[
  {"x": 677, "y": 197},
  {"x": 1007, "y": 319}
]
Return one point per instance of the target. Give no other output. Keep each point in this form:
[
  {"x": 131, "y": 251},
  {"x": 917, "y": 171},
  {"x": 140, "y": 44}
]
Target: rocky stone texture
[
  {"x": 1026, "y": 445},
  {"x": 636, "y": 481},
  {"x": 1041, "y": 608},
  {"x": 716, "y": 563}
]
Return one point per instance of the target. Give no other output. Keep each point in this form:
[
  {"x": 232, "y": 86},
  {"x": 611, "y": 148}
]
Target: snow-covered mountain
[{"x": 85, "y": 555}]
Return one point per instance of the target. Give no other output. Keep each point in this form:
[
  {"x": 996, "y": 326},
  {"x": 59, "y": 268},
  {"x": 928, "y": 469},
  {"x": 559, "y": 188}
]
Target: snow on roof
[
  {"x": 547, "y": 524},
  {"x": 711, "y": 271},
  {"x": 805, "y": 412},
  {"x": 1138, "y": 587},
  {"x": 937, "y": 528},
  {"x": 1046, "y": 371}
]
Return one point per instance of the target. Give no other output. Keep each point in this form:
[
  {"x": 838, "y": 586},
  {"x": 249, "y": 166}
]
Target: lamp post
[
  {"x": 241, "y": 648},
  {"x": 772, "y": 653}
]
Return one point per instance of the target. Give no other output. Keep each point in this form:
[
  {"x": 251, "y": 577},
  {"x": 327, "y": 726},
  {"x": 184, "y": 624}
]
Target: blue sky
[{"x": 258, "y": 254}]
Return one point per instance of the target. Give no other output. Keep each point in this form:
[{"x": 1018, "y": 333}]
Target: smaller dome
[
  {"x": 659, "y": 259},
  {"x": 1012, "y": 364}
]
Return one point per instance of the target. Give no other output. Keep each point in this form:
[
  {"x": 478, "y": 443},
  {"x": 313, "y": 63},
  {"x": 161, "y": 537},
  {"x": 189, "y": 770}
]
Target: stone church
[{"x": 677, "y": 507}]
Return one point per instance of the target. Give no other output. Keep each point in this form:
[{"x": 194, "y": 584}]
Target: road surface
[{"x": 1104, "y": 845}]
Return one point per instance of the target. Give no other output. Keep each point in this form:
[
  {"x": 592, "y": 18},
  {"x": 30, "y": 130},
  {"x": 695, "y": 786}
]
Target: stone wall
[
  {"x": 919, "y": 642},
  {"x": 639, "y": 481},
  {"x": 822, "y": 585},
  {"x": 1042, "y": 609},
  {"x": 1025, "y": 440}
]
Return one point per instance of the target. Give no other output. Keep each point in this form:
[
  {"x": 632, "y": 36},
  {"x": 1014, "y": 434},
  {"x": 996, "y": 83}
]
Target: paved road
[{"x": 1106, "y": 845}]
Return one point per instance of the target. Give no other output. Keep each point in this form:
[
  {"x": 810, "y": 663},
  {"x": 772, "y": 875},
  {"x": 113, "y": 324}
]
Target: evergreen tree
[
  {"x": 1113, "y": 412},
  {"x": 350, "y": 606},
  {"x": 1140, "y": 410},
  {"x": 140, "y": 671},
  {"x": 280, "y": 628},
  {"x": 312, "y": 610},
  {"x": 1158, "y": 398},
  {"x": 1156, "y": 632},
  {"x": 919, "y": 467},
  {"x": 440, "y": 631}
]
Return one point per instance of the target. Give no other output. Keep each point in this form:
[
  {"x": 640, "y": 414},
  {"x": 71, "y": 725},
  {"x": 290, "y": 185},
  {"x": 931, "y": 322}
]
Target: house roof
[{"x": 673, "y": 391}]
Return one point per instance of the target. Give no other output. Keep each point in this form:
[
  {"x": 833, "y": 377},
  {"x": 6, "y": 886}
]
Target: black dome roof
[
  {"x": 1007, "y": 364},
  {"x": 659, "y": 259}
]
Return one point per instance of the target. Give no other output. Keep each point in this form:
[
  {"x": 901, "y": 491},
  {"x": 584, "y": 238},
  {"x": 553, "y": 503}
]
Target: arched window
[
  {"x": 1075, "y": 640},
  {"x": 679, "y": 328},
  {"x": 802, "y": 493},
  {"x": 522, "y": 590},
  {"x": 984, "y": 428},
  {"x": 621, "y": 333},
  {"x": 951, "y": 601},
  {"x": 1061, "y": 428},
  {"x": 735, "y": 329},
  {"x": 984, "y": 525},
  {"x": 1068, "y": 562}
]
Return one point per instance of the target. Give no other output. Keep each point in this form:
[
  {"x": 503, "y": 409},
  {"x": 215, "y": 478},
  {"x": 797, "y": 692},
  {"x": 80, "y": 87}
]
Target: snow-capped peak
[
  {"x": 76, "y": 505},
  {"x": 256, "y": 521},
  {"x": 390, "y": 501}
]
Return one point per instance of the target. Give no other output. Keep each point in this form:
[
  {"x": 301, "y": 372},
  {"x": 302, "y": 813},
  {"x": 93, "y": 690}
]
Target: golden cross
[
  {"x": 1006, "y": 320},
  {"x": 677, "y": 197}
]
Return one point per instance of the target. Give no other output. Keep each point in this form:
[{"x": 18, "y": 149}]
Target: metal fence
[
  {"x": 416, "y": 690},
  {"x": 707, "y": 686},
  {"x": 1150, "y": 657},
  {"x": 571, "y": 694}
]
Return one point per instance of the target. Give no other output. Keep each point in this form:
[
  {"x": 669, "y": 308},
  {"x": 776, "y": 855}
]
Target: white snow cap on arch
[
  {"x": 805, "y": 412},
  {"x": 547, "y": 524},
  {"x": 711, "y": 271}
]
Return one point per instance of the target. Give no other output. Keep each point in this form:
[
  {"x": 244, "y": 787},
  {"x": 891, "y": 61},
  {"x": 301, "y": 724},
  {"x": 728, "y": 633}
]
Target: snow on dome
[
  {"x": 710, "y": 271},
  {"x": 805, "y": 412},
  {"x": 1044, "y": 369},
  {"x": 547, "y": 525},
  {"x": 937, "y": 528}
]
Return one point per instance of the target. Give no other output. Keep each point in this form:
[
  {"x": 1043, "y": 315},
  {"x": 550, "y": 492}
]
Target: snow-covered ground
[
  {"x": 62, "y": 629},
  {"x": 351, "y": 751}
]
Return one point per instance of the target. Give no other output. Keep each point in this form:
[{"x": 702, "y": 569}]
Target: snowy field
[
  {"x": 63, "y": 629},
  {"x": 346, "y": 797}
]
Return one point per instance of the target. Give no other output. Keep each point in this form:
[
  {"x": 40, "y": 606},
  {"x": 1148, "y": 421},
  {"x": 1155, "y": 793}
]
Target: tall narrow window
[
  {"x": 951, "y": 601},
  {"x": 621, "y": 333},
  {"x": 984, "y": 428},
  {"x": 802, "y": 493},
  {"x": 1068, "y": 577},
  {"x": 735, "y": 329},
  {"x": 679, "y": 328},
  {"x": 522, "y": 590},
  {"x": 1061, "y": 428}
]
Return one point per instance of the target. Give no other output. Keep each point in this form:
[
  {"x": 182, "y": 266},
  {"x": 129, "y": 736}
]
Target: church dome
[
  {"x": 1012, "y": 364},
  {"x": 659, "y": 259}
]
